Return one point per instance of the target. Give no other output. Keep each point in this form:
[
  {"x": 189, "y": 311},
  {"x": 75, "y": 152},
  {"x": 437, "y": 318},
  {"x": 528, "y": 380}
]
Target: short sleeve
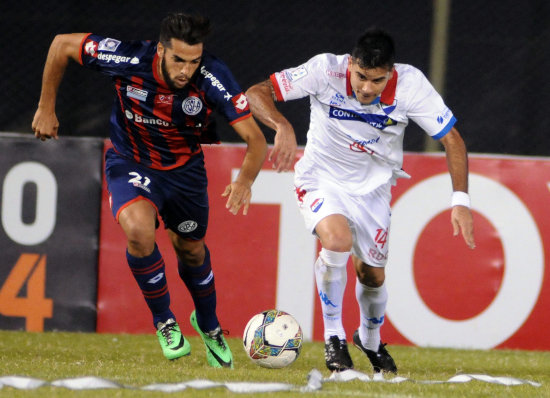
[
  {"x": 427, "y": 108},
  {"x": 223, "y": 91},
  {"x": 111, "y": 56},
  {"x": 301, "y": 81}
]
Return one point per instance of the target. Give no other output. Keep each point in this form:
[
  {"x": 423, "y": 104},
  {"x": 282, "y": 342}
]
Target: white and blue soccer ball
[{"x": 272, "y": 339}]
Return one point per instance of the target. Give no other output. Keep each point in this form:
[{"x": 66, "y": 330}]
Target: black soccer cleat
[
  {"x": 337, "y": 355},
  {"x": 381, "y": 361}
]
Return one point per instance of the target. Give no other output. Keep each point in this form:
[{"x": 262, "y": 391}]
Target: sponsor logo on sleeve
[
  {"x": 240, "y": 103},
  {"x": 297, "y": 74},
  {"x": 215, "y": 82},
  {"x": 445, "y": 116},
  {"x": 108, "y": 44},
  {"x": 90, "y": 48},
  {"x": 117, "y": 59},
  {"x": 284, "y": 81}
]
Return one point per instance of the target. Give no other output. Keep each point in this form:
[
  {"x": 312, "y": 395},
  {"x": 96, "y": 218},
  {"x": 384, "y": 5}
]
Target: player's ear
[{"x": 160, "y": 50}]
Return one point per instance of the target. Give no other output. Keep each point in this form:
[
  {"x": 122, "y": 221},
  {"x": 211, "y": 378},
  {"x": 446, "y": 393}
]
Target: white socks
[
  {"x": 372, "y": 304},
  {"x": 331, "y": 277}
]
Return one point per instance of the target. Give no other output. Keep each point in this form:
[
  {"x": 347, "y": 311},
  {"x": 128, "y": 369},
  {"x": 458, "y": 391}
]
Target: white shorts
[{"x": 368, "y": 217}]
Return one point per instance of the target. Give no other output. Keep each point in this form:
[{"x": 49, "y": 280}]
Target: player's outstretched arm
[
  {"x": 63, "y": 48},
  {"x": 239, "y": 191},
  {"x": 262, "y": 105},
  {"x": 457, "y": 162}
]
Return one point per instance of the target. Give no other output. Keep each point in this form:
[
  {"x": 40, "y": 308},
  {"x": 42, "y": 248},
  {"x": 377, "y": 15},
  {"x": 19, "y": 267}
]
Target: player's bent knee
[{"x": 371, "y": 276}]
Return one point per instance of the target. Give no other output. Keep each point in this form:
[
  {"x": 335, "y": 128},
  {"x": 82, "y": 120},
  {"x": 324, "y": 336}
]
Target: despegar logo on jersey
[
  {"x": 117, "y": 59},
  {"x": 145, "y": 120},
  {"x": 215, "y": 82}
]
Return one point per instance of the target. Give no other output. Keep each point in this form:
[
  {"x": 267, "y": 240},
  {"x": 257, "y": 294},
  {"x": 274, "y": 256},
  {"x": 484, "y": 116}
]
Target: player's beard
[{"x": 167, "y": 78}]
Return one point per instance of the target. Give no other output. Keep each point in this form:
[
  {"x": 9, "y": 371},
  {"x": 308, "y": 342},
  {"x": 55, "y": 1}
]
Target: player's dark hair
[
  {"x": 374, "y": 49},
  {"x": 192, "y": 29}
]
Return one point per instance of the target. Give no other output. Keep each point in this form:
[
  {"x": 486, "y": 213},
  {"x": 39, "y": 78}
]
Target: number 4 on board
[{"x": 30, "y": 269}]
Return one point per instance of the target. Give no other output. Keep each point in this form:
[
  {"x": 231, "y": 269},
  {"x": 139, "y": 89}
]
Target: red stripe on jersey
[
  {"x": 154, "y": 155},
  {"x": 388, "y": 95},
  {"x": 177, "y": 143},
  {"x": 276, "y": 87},
  {"x": 162, "y": 109},
  {"x": 349, "y": 91},
  {"x": 127, "y": 122}
]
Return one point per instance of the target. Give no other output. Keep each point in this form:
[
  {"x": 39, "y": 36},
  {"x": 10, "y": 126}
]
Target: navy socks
[
  {"x": 201, "y": 286},
  {"x": 150, "y": 275}
]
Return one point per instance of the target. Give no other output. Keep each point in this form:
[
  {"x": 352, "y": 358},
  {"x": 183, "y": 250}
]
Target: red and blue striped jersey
[{"x": 151, "y": 124}]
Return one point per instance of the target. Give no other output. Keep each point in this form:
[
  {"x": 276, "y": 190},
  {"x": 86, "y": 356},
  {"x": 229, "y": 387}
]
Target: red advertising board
[{"x": 440, "y": 292}]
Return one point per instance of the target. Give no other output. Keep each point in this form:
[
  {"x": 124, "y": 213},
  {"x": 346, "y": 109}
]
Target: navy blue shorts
[{"x": 180, "y": 195}]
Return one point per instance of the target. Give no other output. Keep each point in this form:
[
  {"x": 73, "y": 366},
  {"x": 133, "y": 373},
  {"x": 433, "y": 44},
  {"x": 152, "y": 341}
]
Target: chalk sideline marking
[{"x": 315, "y": 382}]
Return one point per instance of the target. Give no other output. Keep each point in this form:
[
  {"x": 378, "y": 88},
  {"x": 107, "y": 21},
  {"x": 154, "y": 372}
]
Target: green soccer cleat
[
  {"x": 218, "y": 353},
  {"x": 172, "y": 342}
]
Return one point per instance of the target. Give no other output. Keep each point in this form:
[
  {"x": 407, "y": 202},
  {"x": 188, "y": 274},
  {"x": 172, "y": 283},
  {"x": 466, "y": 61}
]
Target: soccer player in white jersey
[{"x": 360, "y": 106}]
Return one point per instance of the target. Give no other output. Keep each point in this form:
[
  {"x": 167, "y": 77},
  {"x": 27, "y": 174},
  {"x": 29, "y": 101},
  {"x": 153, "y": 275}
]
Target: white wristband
[{"x": 460, "y": 198}]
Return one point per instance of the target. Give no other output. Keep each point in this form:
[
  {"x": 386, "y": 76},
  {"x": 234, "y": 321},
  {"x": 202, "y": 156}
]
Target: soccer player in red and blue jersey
[{"x": 166, "y": 93}]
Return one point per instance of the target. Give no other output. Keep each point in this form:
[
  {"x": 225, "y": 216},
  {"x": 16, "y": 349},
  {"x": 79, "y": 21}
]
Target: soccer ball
[{"x": 272, "y": 339}]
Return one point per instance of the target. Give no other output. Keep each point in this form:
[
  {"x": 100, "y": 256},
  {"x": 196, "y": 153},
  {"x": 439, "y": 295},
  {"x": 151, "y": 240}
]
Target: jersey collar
[{"x": 388, "y": 95}]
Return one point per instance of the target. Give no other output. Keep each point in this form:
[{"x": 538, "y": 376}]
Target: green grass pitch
[{"x": 136, "y": 361}]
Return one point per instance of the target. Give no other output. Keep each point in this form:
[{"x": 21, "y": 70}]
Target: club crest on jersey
[
  {"x": 316, "y": 205},
  {"x": 191, "y": 106}
]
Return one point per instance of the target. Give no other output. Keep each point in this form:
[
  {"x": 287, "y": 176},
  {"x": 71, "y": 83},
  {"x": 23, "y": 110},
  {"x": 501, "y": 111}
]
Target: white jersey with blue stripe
[{"x": 359, "y": 147}]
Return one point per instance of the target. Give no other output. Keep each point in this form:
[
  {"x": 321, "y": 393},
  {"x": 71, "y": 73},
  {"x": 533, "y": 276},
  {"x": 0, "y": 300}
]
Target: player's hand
[
  {"x": 45, "y": 125},
  {"x": 283, "y": 153},
  {"x": 462, "y": 220},
  {"x": 238, "y": 195}
]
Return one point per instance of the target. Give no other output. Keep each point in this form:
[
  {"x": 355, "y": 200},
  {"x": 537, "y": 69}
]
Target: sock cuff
[
  {"x": 372, "y": 288},
  {"x": 194, "y": 271},
  {"x": 334, "y": 259},
  {"x": 143, "y": 261}
]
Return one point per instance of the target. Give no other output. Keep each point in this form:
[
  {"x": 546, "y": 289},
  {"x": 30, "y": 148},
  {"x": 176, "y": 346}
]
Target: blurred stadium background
[{"x": 491, "y": 65}]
